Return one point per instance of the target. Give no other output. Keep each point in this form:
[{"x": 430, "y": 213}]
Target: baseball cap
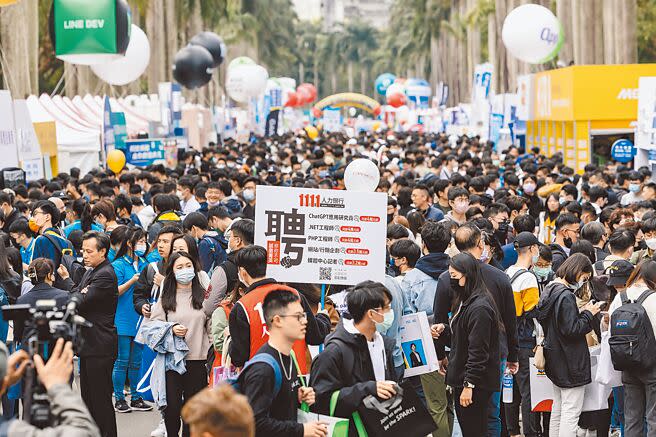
[
  {"x": 525, "y": 239},
  {"x": 619, "y": 272},
  {"x": 60, "y": 195}
]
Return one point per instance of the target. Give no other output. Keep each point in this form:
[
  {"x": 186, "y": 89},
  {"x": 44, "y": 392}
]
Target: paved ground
[{"x": 136, "y": 423}]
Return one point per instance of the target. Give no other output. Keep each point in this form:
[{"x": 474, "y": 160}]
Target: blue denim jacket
[
  {"x": 419, "y": 284},
  {"x": 171, "y": 353}
]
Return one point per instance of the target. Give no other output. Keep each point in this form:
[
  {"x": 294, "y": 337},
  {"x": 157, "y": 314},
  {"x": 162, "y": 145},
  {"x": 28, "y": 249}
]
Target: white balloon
[
  {"x": 532, "y": 33},
  {"x": 352, "y": 112},
  {"x": 394, "y": 89},
  {"x": 361, "y": 175},
  {"x": 128, "y": 68},
  {"x": 287, "y": 83},
  {"x": 239, "y": 61},
  {"x": 246, "y": 81}
]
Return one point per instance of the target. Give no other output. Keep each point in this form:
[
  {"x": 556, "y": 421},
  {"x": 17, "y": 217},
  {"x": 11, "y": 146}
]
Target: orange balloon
[
  {"x": 312, "y": 132},
  {"x": 7, "y": 2},
  {"x": 116, "y": 160}
]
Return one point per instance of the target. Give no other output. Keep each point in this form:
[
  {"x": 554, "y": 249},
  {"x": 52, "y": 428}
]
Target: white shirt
[
  {"x": 190, "y": 205},
  {"x": 376, "y": 350}
]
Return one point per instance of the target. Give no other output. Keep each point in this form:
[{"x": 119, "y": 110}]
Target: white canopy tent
[{"x": 77, "y": 145}]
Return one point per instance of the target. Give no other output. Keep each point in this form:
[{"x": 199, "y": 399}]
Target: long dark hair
[
  {"x": 6, "y": 272},
  {"x": 132, "y": 236},
  {"x": 646, "y": 271},
  {"x": 82, "y": 211},
  {"x": 475, "y": 284},
  {"x": 170, "y": 285}
]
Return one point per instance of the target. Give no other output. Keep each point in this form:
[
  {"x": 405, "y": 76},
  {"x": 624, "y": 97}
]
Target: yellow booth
[{"x": 581, "y": 110}]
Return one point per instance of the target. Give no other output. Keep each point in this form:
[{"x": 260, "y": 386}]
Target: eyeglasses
[
  {"x": 388, "y": 307},
  {"x": 301, "y": 317}
]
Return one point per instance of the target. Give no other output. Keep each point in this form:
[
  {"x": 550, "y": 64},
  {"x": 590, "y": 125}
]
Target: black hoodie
[
  {"x": 345, "y": 365},
  {"x": 565, "y": 346}
]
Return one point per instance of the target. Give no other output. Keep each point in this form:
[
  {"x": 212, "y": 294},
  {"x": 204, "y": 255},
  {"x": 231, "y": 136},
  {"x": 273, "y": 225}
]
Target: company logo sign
[{"x": 628, "y": 94}]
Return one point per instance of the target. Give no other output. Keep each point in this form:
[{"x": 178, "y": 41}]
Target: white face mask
[
  {"x": 651, "y": 243},
  {"x": 185, "y": 276}
]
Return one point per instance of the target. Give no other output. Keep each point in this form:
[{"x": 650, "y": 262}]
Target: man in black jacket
[
  {"x": 468, "y": 238},
  {"x": 357, "y": 360},
  {"x": 568, "y": 228},
  {"x": 98, "y": 293}
]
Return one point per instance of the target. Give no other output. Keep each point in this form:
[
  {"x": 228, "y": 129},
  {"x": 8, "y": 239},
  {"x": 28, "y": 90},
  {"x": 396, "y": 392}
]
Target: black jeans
[
  {"x": 97, "y": 388},
  {"x": 179, "y": 389},
  {"x": 473, "y": 419},
  {"x": 523, "y": 388}
]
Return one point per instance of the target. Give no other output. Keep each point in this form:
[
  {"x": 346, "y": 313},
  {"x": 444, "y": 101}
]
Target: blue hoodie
[{"x": 420, "y": 283}]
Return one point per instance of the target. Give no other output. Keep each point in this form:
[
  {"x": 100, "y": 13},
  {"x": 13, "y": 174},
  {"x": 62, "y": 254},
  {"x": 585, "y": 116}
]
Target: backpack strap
[
  {"x": 271, "y": 361},
  {"x": 625, "y": 298},
  {"x": 645, "y": 294},
  {"x": 517, "y": 274}
]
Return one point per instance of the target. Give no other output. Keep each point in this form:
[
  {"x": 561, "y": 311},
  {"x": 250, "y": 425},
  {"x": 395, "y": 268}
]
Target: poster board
[
  {"x": 595, "y": 398},
  {"x": 321, "y": 236},
  {"x": 417, "y": 345},
  {"x": 142, "y": 153},
  {"x": 8, "y": 139}
]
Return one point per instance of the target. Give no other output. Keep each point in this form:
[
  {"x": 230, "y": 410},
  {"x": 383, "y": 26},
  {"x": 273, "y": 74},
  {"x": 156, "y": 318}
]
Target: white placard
[
  {"x": 28, "y": 142},
  {"x": 8, "y": 140},
  {"x": 595, "y": 398},
  {"x": 332, "y": 120},
  {"x": 321, "y": 236},
  {"x": 33, "y": 169},
  {"x": 645, "y": 137},
  {"x": 525, "y": 97},
  {"x": 417, "y": 345}
]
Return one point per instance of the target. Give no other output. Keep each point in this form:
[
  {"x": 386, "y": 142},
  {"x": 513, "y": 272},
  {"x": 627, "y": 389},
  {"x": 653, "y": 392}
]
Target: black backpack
[{"x": 632, "y": 343}]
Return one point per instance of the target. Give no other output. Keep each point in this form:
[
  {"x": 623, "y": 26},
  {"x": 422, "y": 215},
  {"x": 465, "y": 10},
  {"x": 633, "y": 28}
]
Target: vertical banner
[
  {"x": 321, "y": 236},
  {"x": 275, "y": 105},
  {"x": 482, "y": 82},
  {"x": 108, "y": 128},
  {"x": 496, "y": 123},
  {"x": 164, "y": 92},
  {"x": 332, "y": 120},
  {"x": 8, "y": 141}
]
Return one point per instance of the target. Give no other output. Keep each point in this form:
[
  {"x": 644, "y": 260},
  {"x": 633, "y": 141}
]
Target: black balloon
[
  {"x": 212, "y": 42},
  {"x": 192, "y": 66}
]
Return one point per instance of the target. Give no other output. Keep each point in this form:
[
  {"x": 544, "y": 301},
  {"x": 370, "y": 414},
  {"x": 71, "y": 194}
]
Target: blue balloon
[{"x": 383, "y": 82}]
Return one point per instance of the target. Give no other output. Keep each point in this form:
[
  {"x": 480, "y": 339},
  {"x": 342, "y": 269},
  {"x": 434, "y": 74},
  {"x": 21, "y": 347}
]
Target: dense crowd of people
[{"x": 516, "y": 259}]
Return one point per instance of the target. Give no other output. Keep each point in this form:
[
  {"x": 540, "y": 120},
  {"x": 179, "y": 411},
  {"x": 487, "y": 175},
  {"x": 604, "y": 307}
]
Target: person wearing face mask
[
  {"x": 11, "y": 214},
  {"x": 357, "y": 359},
  {"x": 565, "y": 346},
  {"x": 636, "y": 182},
  {"x": 185, "y": 193},
  {"x": 459, "y": 203},
  {"x": 248, "y": 194},
  {"x": 246, "y": 325},
  {"x": 49, "y": 243},
  {"x": 473, "y": 371},
  {"x": 211, "y": 246},
  {"x": 128, "y": 265},
  {"x": 182, "y": 304},
  {"x": 521, "y": 223},
  {"x": 567, "y": 233},
  {"x": 542, "y": 268},
  {"x": 648, "y": 228},
  {"x": 469, "y": 239},
  {"x": 526, "y": 292},
  {"x": 20, "y": 232},
  {"x": 529, "y": 188}
]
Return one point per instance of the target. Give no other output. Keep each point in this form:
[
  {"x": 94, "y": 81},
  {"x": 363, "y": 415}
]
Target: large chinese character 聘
[{"x": 294, "y": 223}]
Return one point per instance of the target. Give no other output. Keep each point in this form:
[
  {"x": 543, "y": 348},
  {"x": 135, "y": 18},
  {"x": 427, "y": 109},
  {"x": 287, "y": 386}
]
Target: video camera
[{"x": 45, "y": 323}]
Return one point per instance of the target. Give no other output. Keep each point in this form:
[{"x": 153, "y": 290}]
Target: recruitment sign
[{"x": 322, "y": 236}]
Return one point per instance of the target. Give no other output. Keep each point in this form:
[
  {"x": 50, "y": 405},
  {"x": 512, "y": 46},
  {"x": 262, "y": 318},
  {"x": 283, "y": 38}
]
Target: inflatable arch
[{"x": 349, "y": 99}]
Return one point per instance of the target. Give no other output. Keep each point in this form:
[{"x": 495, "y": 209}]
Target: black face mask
[
  {"x": 455, "y": 286},
  {"x": 642, "y": 245},
  {"x": 568, "y": 242},
  {"x": 390, "y": 217}
]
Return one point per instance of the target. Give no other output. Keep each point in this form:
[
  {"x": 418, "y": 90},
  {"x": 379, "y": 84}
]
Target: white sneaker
[{"x": 160, "y": 431}]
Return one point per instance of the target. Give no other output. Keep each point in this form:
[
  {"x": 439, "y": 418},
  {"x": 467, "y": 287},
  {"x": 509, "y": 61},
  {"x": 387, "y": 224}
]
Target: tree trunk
[
  {"x": 564, "y": 14},
  {"x": 349, "y": 73},
  {"x": 171, "y": 36},
  {"x": 14, "y": 61},
  {"x": 363, "y": 79},
  {"x": 492, "y": 50},
  {"x": 599, "y": 33},
  {"x": 435, "y": 69},
  {"x": 301, "y": 73},
  {"x": 631, "y": 37},
  {"x": 154, "y": 18}
]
